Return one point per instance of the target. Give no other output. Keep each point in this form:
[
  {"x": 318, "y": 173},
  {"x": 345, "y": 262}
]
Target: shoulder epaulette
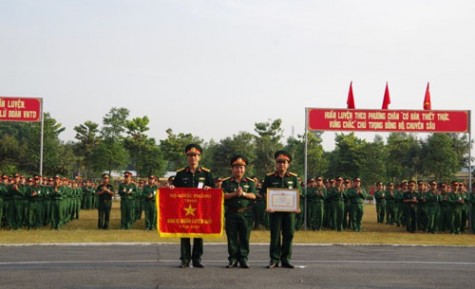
[
  {"x": 205, "y": 169},
  {"x": 226, "y": 179},
  {"x": 249, "y": 179},
  {"x": 181, "y": 170},
  {"x": 293, "y": 174},
  {"x": 270, "y": 174}
]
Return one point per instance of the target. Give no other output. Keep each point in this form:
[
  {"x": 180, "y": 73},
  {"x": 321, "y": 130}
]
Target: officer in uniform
[
  {"x": 105, "y": 192},
  {"x": 316, "y": 200},
  {"x": 391, "y": 203},
  {"x": 192, "y": 176},
  {"x": 149, "y": 195},
  {"x": 127, "y": 192},
  {"x": 281, "y": 223},
  {"x": 338, "y": 196},
  {"x": 239, "y": 193}
]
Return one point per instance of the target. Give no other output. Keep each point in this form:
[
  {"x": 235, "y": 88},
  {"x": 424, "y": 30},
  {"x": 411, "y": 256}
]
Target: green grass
[{"x": 84, "y": 231}]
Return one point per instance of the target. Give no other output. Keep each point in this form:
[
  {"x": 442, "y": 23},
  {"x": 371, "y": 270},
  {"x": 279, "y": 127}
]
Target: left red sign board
[{"x": 20, "y": 109}]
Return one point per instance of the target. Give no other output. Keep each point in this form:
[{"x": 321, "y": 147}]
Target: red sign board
[
  {"x": 190, "y": 212},
  {"x": 327, "y": 119},
  {"x": 21, "y": 109}
]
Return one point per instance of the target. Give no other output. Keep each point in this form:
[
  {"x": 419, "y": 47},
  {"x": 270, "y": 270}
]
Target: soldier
[
  {"x": 127, "y": 192},
  {"x": 410, "y": 200},
  {"x": 16, "y": 208},
  {"x": 58, "y": 193},
  {"x": 327, "y": 204},
  {"x": 457, "y": 203},
  {"x": 281, "y": 223},
  {"x": 315, "y": 203},
  {"x": 391, "y": 203},
  {"x": 380, "y": 198},
  {"x": 149, "y": 194},
  {"x": 429, "y": 205},
  {"x": 239, "y": 193},
  {"x": 34, "y": 210},
  {"x": 401, "y": 207},
  {"x": 421, "y": 217},
  {"x": 338, "y": 196},
  {"x": 192, "y": 176},
  {"x": 105, "y": 192},
  {"x": 445, "y": 207},
  {"x": 357, "y": 195}
]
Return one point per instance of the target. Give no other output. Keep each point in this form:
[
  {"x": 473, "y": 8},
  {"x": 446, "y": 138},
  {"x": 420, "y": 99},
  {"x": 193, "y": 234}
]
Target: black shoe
[
  {"x": 273, "y": 265},
  {"x": 184, "y": 265},
  {"x": 244, "y": 264},
  {"x": 288, "y": 265},
  {"x": 198, "y": 265},
  {"x": 232, "y": 264}
]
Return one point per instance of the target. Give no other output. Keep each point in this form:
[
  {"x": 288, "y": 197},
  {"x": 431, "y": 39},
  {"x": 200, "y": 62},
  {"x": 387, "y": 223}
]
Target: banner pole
[
  {"x": 305, "y": 170},
  {"x": 41, "y": 137}
]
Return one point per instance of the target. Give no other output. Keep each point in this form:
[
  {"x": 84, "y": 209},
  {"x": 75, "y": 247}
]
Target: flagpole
[{"x": 305, "y": 169}]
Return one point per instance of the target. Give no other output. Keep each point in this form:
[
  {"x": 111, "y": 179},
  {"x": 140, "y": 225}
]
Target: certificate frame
[{"x": 283, "y": 200}]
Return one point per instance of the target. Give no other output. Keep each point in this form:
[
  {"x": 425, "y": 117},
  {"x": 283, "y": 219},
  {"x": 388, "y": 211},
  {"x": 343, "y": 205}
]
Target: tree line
[{"x": 121, "y": 143}]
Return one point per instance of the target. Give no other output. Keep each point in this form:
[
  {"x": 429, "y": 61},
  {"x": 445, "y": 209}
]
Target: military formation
[
  {"x": 325, "y": 204},
  {"x": 430, "y": 207}
]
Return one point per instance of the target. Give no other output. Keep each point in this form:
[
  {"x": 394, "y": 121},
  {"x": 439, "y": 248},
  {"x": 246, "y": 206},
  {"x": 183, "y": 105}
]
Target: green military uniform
[
  {"x": 391, "y": 204},
  {"x": 315, "y": 198},
  {"x": 338, "y": 196},
  {"x": 127, "y": 192},
  {"x": 16, "y": 209},
  {"x": 3, "y": 192},
  {"x": 357, "y": 196},
  {"x": 445, "y": 211},
  {"x": 238, "y": 218},
  {"x": 410, "y": 200},
  {"x": 380, "y": 198},
  {"x": 105, "y": 203},
  {"x": 281, "y": 223},
  {"x": 472, "y": 210},
  {"x": 59, "y": 192},
  {"x": 457, "y": 204},
  {"x": 149, "y": 195},
  {"x": 429, "y": 202},
  {"x": 34, "y": 207},
  {"x": 185, "y": 178}
]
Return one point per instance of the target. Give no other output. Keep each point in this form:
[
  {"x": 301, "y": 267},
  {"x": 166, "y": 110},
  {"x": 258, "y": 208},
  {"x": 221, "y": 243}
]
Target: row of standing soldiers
[
  {"x": 36, "y": 202},
  {"x": 431, "y": 207}
]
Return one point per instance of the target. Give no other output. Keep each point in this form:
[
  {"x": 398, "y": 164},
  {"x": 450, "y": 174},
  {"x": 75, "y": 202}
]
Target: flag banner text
[
  {"x": 190, "y": 212},
  {"x": 328, "y": 119},
  {"x": 20, "y": 109}
]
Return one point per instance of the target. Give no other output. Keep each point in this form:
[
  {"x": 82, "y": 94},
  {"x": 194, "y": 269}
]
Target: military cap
[
  {"x": 105, "y": 176},
  {"x": 420, "y": 182},
  {"x": 193, "y": 149},
  {"x": 357, "y": 180},
  {"x": 310, "y": 181},
  {"x": 16, "y": 175},
  {"x": 238, "y": 160},
  {"x": 339, "y": 179},
  {"x": 152, "y": 177},
  {"x": 30, "y": 179},
  {"x": 411, "y": 182},
  {"x": 50, "y": 179},
  {"x": 454, "y": 182},
  {"x": 319, "y": 179},
  {"x": 433, "y": 182},
  {"x": 404, "y": 182},
  {"x": 127, "y": 173},
  {"x": 282, "y": 155},
  {"x": 4, "y": 177},
  {"x": 379, "y": 183},
  {"x": 390, "y": 184},
  {"x": 347, "y": 181},
  {"x": 332, "y": 180}
]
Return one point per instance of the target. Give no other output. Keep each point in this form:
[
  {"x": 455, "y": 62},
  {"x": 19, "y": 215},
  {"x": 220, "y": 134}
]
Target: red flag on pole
[
  {"x": 387, "y": 98},
  {"x": 427, "y": 102},
  {"x": 351, "y": 100}
]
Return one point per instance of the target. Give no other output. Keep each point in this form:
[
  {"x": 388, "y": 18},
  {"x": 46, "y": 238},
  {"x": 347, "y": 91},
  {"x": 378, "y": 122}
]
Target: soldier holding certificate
[{"x": 282, "y": 224}]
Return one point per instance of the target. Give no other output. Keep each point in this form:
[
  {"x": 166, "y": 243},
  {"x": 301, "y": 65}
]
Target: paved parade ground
[{"x": 156, "y": 266}]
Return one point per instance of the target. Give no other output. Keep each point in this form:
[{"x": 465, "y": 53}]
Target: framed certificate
[{"x": 283, "y": 200}]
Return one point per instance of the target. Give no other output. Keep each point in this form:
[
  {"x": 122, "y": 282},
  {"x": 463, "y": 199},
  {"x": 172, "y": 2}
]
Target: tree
[
  {"x": 439, "y": 157},
  {"x": 115, "y": 123},
  {"x": 109, "y": 156},
  {"x": 347, "y": 159},
  {"x": 373, "y": 166},
  {"x": 268, "y": 141},
  {"x": 88, "y": 140},
  {"x": 403, "y": 160}
]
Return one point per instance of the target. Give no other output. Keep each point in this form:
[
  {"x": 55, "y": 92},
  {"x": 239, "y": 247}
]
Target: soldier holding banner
[{"x": 192, "y": 176}]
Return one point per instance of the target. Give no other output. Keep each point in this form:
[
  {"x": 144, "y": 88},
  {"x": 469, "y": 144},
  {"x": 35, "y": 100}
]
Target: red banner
[
  {"x": 327, "y": 119},
  {"x": 21, "y": 109},
  {"x": 190, "y": 213}
]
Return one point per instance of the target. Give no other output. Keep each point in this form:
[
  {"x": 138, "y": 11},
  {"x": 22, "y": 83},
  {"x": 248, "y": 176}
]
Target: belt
[{"x": 239, "y": 210}]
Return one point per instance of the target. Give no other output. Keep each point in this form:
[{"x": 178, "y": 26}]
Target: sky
[{"x": 214, "y": 68}]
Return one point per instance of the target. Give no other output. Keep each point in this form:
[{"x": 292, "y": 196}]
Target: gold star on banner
[{"x": 190, "y": 211}]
